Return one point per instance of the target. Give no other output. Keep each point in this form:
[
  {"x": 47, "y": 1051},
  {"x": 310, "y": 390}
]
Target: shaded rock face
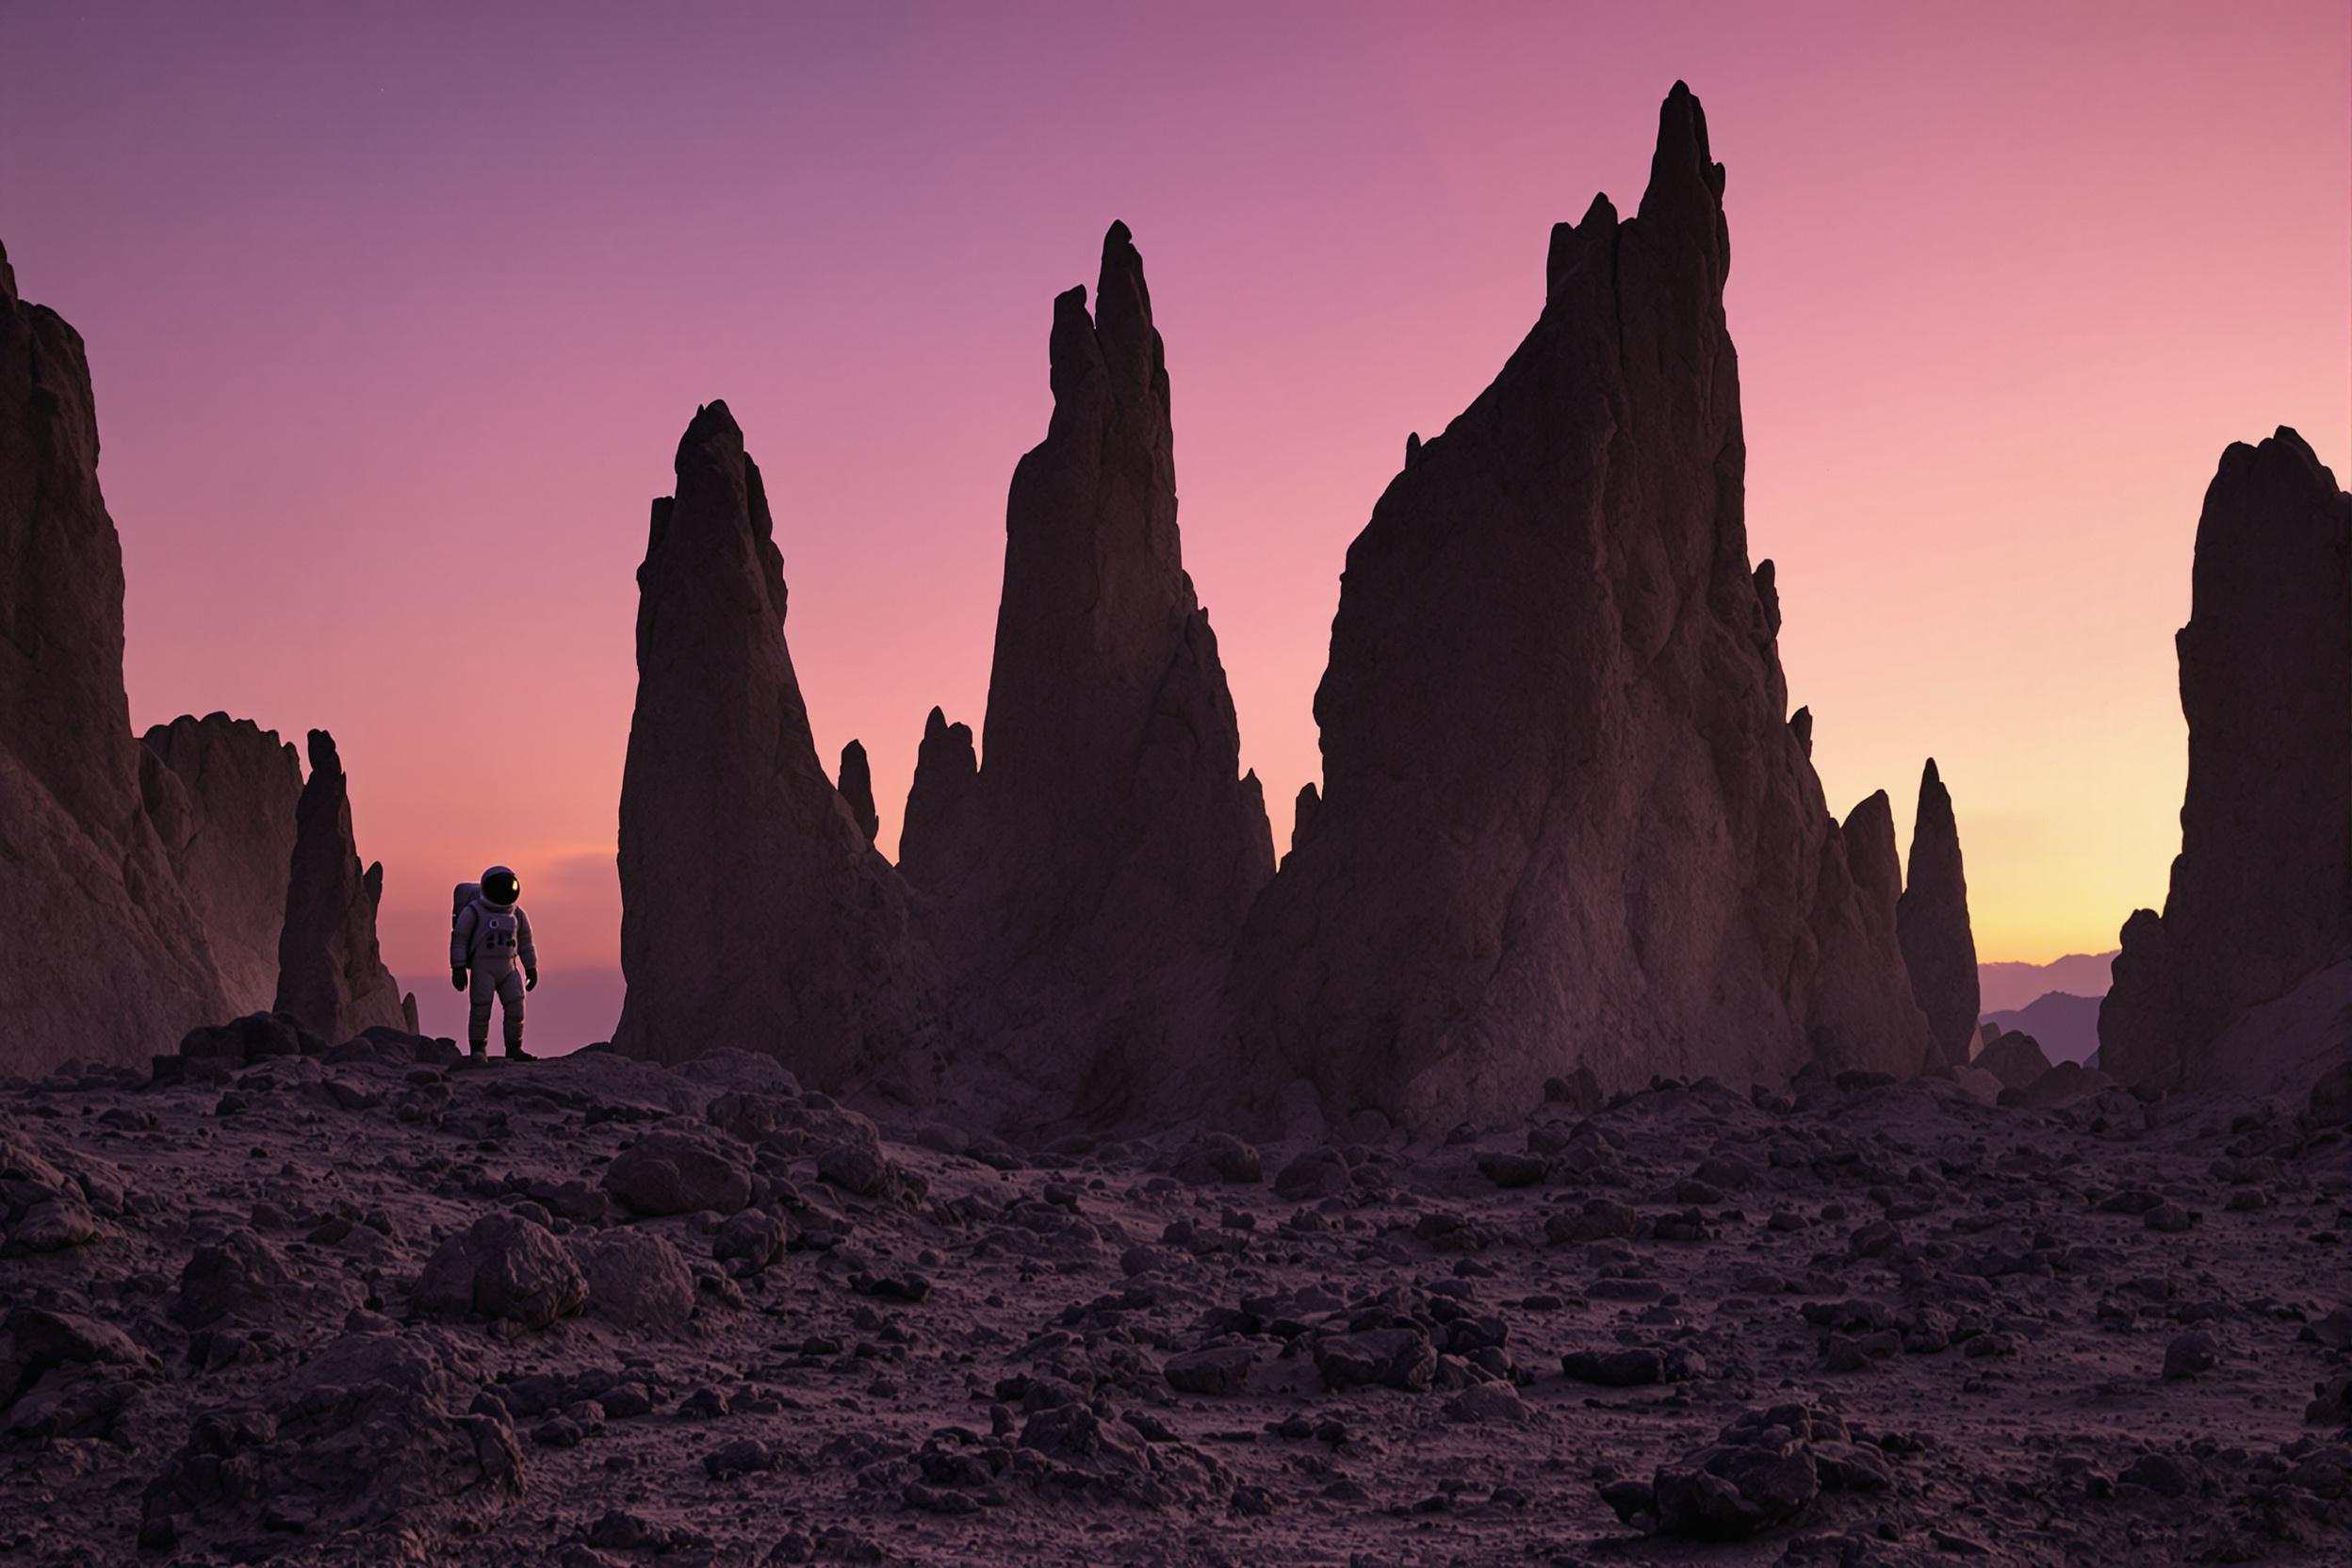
[
  {"x": 2248, "y": 974},
  {"x": 857, "y": 787},
  {"x": 755, "y": 912},
  {"x": 938, "y": 832},
  {"x": 1092, "y": 892},
  {"x": 331, "y": 974},
  {"x": 1566, "y": 821},
  {"x": 101, "y": 954},
  {"x": 233, "y": 847},
  {"x": 1938, "y": 947}
]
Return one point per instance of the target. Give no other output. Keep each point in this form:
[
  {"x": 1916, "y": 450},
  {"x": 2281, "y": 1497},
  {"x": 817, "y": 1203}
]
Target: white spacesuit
[{"x": 489, "y": 935}]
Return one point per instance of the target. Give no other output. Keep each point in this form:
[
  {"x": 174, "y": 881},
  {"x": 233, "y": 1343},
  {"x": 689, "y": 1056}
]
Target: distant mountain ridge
[
  {"x": 2008, "y": 987},
  {"x": 2065, "y": 1026}
]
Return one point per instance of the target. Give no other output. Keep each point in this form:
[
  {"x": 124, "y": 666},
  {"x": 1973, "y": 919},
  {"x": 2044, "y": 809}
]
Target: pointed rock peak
[
  {"x": 1682, "y": 170},
  {"x": 711, "y": 424},
  {"x": 7, "y": 278},
  {"x": 1931, "y": 782},
  {"x": 1869, "y": 832},
  {"x": 1412, "y": 448},
  {"x": 324, "y": 759},
  {"x": 1122, "y": 312},
  {"x": 1303, "y": 815},
  {"x": 856, "y": 788},
  {"x": 1801, "y": 726}
]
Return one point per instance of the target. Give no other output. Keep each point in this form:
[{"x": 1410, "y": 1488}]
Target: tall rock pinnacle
[
  {"x": 1564, "y": 821},
  {"x": 101, "y": 956},
  {"x": 331, "y": 974},
  {"x": 2245, "y": 979},
  {"x": 1093, "y": 892},
  {"x": 233, "y": 844},
  {"x": 1938, "y": 947},
  {"x": 755, "y": 912}
]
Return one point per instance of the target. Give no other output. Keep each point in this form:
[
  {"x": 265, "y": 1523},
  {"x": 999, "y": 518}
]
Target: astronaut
[{"x": 488, "y": 935}]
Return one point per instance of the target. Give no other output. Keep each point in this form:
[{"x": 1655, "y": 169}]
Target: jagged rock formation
[
  {"x": 1564, "y": 820},
  {"x": 330, "y": 975},
  {"x": 1089, "y": 897},
  {"x": 1938, "y": 947},
  {"x": 232, "y": 845},
  {"x": 937, "y": 830},
  {"x": 857, "y": 787},
  {"x": 101, "y": 954},
  {"x": 2247, "y": 976},
  {"x": 754, "y": 911}
]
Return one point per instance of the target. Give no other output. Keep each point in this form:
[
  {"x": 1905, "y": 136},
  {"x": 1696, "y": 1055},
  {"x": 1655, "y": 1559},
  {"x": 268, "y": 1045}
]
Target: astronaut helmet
[{"x": 500, "y": 887}]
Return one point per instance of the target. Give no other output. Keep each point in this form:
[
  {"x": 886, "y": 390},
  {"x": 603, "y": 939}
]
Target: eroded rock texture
[
  {"x": 331, "y": 974},
  {"x": 101, "y": 954},
  {"x": 1090, "y": 894},
  {"x": 233, "y": 847},
  {"x": 755, "y": 912},
  {"x": 1564, "y": 820},
  {"x": 2247, "y": 976},
  {"x": 1938, "y": 947}
]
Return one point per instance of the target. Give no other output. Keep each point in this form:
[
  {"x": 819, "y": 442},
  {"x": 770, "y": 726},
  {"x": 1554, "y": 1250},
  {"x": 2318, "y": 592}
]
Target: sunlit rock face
[
  {"x": 1564, "y": 819},
  {"x": 1088, "y": 879},
  {"x": 2247, "y": 976},
  {"x": 102, "y": 955},
  {"x": 234, "y": 846},
  {"x": 756, "y": 913},
  {"x": 331, "y": 974}
]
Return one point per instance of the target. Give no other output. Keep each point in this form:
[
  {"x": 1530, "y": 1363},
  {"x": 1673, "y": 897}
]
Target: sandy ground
[{"x": 364, "y": 1308}]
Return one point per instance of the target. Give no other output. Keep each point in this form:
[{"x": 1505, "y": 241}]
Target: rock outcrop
[
  {"x": 331, "y": 974},
  {"x": 1565, "y": 820},
  {"x": 1089, "y": 900},
  {"x": 1938, "y": 947},
  {"x": 101, "y": 954},
  {"x": 933, "y": 840},
  {"x": 2247, "y": 976},
  {"x": 233, "y": 847},
  {"x": 754, "y": 911},
  {"x": 857, "y": 787}
]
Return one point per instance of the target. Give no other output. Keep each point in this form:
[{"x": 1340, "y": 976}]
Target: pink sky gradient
[{"x": 396, "y": 312}]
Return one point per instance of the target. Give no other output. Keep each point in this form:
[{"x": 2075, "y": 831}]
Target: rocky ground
[{"x": 375, "y": 1304}]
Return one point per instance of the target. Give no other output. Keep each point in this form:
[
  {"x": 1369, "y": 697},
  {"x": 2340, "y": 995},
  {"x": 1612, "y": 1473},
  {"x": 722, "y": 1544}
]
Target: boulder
[
  {"x": 331, "y": 973},
  {"x": 371, "y": 1438},
  {"x": 2016, "y": 1059},
  {"x": 1113, "y": 843},
  {"x": 679, "y": 1173},
  {"x": 504, "y": 1269},
  {"x": 2244, "y": 981},
  {"x": 233, "y": 848},
  {"x": 1932, "y": 920},
  {"x": 1388, "y": 1358},
  {"x": 1219, "y": 1370},
  {"x": 724, "y": 802},
  {"x": 1765, "y": 1469},
  {"x": 1564, "y": 820},
  {"x": 638, "y": 1280}
]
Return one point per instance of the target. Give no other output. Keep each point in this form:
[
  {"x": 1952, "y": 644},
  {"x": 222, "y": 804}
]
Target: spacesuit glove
[
  {"x": 530, "y": 979},
  {"x": 457, "y": 978}
]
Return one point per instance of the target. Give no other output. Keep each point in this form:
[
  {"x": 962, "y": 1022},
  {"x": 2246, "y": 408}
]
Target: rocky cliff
[
  {"x": 2247, "y": 976},
  {"x": 1564, "y": 820},
  {"x": 1089, "y": 894},
  {"x": 232, "y": 845},
  {"x": 331, "y": 976},
  {"x": 755, "y": 912},
  {"x": 101, "y": 956},
  {"x": 1938, "y": 946}
]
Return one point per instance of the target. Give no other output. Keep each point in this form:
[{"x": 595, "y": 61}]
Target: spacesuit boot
[{"x": 492, "y": 959}]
